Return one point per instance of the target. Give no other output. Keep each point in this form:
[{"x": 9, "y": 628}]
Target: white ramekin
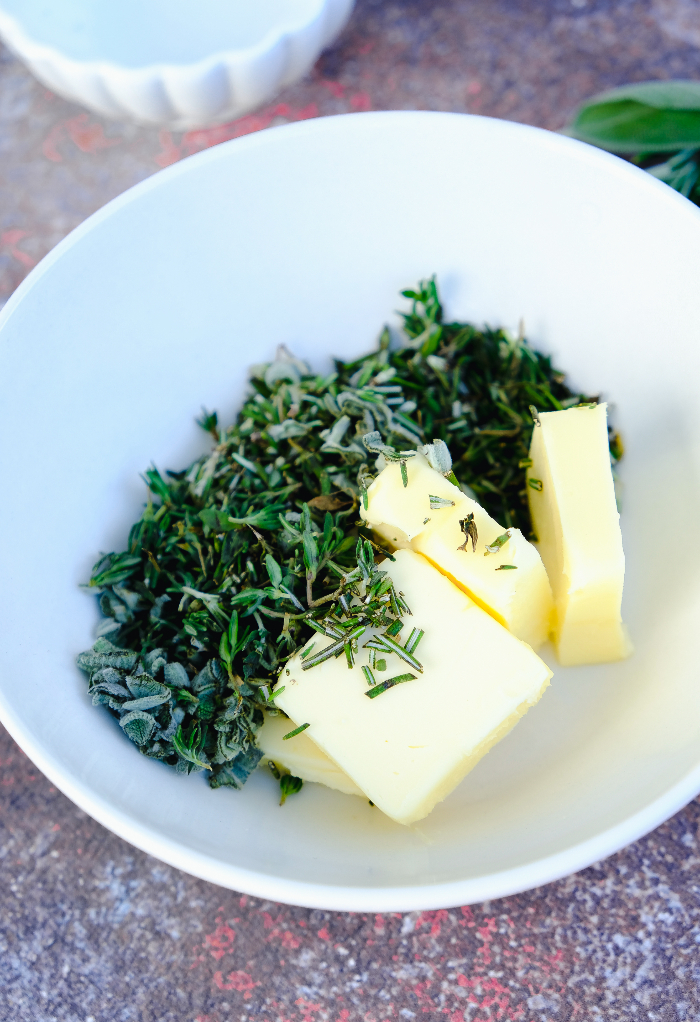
[{"x": 217, "y": 88}]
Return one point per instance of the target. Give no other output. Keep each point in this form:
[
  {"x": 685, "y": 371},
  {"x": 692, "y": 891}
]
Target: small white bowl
[
  {"x": 178, "y": 63},
  {"x": 304, "y": 235}
]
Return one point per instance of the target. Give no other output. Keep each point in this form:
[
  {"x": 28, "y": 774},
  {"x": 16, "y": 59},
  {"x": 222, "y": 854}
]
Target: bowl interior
[
  {"x": 138, "y": 33},
  {"x": 305, "y": 235}
]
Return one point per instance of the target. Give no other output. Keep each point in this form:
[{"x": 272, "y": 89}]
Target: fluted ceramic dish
[
  {"x": 304, "y": 235},
  {"x": 178, "y": 63}
]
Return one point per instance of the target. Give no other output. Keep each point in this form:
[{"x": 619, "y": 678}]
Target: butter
[
  {"x": 575, "y": 517},
  {"x": 398, "y": 513},
  {"x": 301, "y": 756},
  {"x": 409, "y": 747},
  {"x": 520, "y": 598}
]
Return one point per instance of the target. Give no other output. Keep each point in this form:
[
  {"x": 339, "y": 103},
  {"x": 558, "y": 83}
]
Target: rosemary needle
[{"x": 295, "y": 732}]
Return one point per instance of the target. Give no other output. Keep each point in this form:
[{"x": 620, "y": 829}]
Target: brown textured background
[{"x": 92, "y": 930}]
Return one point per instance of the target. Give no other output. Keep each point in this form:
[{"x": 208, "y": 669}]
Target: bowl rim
[
  {"x": 35, "y": 52},
  {"x": 405, "y": 898}
]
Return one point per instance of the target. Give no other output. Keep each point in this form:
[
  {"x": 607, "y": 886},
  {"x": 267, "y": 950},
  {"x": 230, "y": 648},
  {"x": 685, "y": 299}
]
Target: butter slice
[
  {"x": 520, "y": 598},
  {"x": 301, "y": 756},
  {"x": 575, "y": 517},
  {"x": 409, "y": 747},
  {"x": 397, "y": 512}
]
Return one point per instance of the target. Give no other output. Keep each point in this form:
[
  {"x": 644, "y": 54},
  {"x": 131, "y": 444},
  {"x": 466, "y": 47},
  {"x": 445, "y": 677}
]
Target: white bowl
[
  {"x": 304, "y": 235},
  {"x": 179, "y": 63}
]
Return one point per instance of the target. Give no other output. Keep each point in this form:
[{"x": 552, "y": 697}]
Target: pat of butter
[
  {"x": 520, "y": 598},
  {"x": 398, "y": 513},
  {"x": 301, "y": 756},
  {"x": 407, "y": 748},
  {"x": 575, "y": 517}
]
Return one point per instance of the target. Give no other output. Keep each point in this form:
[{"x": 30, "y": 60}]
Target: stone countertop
[{"x": 93, "y": 930}]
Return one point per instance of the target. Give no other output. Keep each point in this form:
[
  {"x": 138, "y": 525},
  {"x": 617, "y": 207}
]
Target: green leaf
[
  {"x": 176, "y": 675},
  {"x": 237, "y": 772},
  {"x": 273, "y": 570},
  {"x": 648, "y": 117},
  {"x": 139, "y": 726},
  {"x": 289, "y": 785}
]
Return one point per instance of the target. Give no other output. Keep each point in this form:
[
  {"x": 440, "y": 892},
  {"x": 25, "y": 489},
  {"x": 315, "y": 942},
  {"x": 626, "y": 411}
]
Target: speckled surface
[{"x": 92, "y": 930}]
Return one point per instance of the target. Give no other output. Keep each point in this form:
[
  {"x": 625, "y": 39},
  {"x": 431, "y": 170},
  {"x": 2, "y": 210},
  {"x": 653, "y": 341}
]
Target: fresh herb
[
  {"x": 289, "y": 784},
  {"x": 237, "y": 560},
  {"x": 470, "y": 532},
  {"x": 385, "y": 643},
  {"x": 383, "y": 686},
  {"x": 506, "y": 567},
  {"x": 439, "y": 502},
  {"x": 295, "y": 732},
  {"x": 535, "y": 484},
  {"x": 374, "y": 443},
  {"x": 646, "y": 121},
  {"x": 500, "y": 541},
  {"x": 369, "y": 677}
]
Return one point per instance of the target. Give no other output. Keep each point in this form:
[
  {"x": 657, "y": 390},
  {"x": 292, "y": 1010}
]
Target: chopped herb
[
  {"x": 500, "y": 541},
  {"x": 425, "y": 521},
  {"x": 289, "y": 785},
  {"x": 535, "y": 484},
  {"x": 297, "y": 731},
  {"x": 413, "y": 640},
  {"x": 383, "y": 686},
  {"x": 535, "y": 415},
  {"x": 468, "y": 527},
  {"x": 371, "y": 680},
  {"x": 506, "y": 567},
  {"x": 438, "y": 502},
  {"x": 386, "y": 644},
  {"x": 305, "y": 652},
  {"x": 239, "y": 558},
  {"x": 525, "y": 463}
]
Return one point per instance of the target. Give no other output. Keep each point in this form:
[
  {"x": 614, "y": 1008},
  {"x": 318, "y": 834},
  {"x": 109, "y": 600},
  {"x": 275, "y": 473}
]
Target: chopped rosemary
[
  {"x": 500, "y": 541},
  {"x": 414, "y": 638},
  {"x": 371, "y": 680},
  {"x": 535, "y": 484},
  {"x": 386, "y": 644},
  {"x": 297, "y": 731},
  {"x": 506, "y": 567},
  {"x": 383, "y": 686},
  {"x": 469, "y": 530},
  {"x": 535, "y": 415},
  {"x": 439, "y": 502}
]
